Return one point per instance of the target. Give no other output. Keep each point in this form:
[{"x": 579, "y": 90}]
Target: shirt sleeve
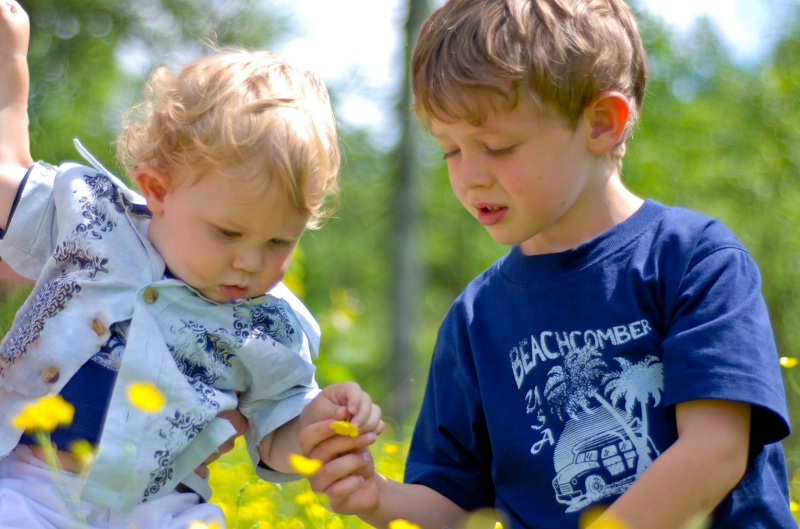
[
  {"x": 720, "y": 343},
  {"x": 30, "y": 234},
  {"x": 450, "y": 450}
]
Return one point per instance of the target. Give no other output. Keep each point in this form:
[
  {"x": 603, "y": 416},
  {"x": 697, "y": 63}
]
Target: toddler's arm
[
  {"x": 343, "y": 401},
  {"x": 15, "y": 155},
  {"x": 694, "y": 474}
]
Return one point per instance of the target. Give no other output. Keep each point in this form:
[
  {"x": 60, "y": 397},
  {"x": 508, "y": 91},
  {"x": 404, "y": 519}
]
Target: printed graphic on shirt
[
  {"x": 591, "y": 408},
  {"x": 110, "y": 354},
  {"x": 205, "y": 356},
  {"x": 74, "y": 259}
]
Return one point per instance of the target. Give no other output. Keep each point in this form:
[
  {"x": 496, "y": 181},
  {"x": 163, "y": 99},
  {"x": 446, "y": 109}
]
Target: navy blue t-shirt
[{"x": 554, "y": 377}]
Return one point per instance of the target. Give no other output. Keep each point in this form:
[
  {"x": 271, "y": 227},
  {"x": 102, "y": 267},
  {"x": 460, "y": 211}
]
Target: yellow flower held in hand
[
  {"x": 403, "y": 524},
  {"x": 45, "y": 414},
  {"x": 306, "y": 466},
  {"x": 345, "y": 428},
  {"x": 146, "y": 397}
]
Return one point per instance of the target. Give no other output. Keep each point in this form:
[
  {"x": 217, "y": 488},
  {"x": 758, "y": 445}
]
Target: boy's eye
[
  {"x": 499, "y": 152},
  {"x": 450, "y": 154}
]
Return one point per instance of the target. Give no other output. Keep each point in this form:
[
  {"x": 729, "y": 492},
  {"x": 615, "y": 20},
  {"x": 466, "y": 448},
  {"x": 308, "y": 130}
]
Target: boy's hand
[
  {"x": 348, "y": 476},
  {"x": 15, "y": 29}
]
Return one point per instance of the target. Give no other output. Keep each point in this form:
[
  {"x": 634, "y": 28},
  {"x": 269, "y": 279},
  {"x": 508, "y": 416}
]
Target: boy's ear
[
  {"x": 154, "y": 186},
  {"x": 608, "y": 116}
]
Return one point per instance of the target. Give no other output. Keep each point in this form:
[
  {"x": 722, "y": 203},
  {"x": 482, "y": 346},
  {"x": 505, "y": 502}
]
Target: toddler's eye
[{"x": 228, "y": 234}]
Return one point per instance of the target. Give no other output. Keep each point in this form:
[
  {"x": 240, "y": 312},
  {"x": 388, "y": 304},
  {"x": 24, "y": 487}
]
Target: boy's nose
[{"x": 470, "y": 175}]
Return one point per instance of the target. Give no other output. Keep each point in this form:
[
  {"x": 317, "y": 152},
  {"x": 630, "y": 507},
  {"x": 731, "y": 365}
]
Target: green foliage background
[{"x": 716, "y": 136}]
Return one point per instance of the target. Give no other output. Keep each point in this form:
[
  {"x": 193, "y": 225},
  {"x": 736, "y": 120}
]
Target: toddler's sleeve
[{"x": 29, "y": 238}]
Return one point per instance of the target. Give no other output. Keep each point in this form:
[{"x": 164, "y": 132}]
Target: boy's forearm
[
  {"x": 691, "y": 477},
  {"x": 415, "y": 503}
]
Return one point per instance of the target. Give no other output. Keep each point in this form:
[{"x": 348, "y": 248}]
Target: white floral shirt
[{"x": 83, "y": 236}]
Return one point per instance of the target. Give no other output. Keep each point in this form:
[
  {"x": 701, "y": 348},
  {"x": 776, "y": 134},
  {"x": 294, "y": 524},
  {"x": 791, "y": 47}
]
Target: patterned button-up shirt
[{"x": 83, "y": 236}]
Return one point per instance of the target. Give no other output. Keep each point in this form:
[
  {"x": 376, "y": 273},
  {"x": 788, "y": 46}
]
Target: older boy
[{"x": 621, "y": 354}]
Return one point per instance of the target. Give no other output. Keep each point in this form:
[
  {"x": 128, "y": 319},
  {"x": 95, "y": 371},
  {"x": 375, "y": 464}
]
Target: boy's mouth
[{"x": 490, "y": 215}]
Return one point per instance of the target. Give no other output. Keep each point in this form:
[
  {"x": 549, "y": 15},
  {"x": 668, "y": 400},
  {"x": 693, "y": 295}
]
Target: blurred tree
[
  {"x": 406, "y": 276},
  {"x": 725, "y": 140},
  {"x": 88, "y": 59}
]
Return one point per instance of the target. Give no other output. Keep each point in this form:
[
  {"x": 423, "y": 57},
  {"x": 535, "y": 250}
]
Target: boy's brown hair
[
  {"x": 248, "y": 114},
  {"x": 474, "y": 57}
]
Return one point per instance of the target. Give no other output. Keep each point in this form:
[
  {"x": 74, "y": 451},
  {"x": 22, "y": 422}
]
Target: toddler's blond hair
[{"x": 246, "y": 112}]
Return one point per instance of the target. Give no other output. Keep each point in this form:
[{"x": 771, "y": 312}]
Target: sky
[{"x": 354, "y": 45}]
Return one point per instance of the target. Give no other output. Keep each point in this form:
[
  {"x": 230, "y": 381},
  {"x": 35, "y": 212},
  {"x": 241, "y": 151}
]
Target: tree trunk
[{"x": 407, "y": 284}]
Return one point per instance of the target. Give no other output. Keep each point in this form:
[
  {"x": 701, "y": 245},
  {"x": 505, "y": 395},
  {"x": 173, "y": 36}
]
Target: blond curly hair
[{"x": 247, "y": 113}]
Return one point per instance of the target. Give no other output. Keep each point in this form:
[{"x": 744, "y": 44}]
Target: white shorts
[{"x": 29, "y": 500}]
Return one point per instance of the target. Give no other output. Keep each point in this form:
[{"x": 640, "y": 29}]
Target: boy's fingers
[
  {"x": 341, "y": 490},
  {"x": 346, "y": 393},
  {"x": 314, "y": 434},
  {"x": 374, "y": 422},
  {"x": 343, "y": 467},
  {"x": 336, "y": 445}
]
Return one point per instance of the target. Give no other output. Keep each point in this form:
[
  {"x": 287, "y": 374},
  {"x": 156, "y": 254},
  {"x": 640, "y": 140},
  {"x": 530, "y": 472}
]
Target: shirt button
[
  {"x": 98, "y": 327},
  {"x": 150, "y": 295},
  {"x": 51, "y": 374}
]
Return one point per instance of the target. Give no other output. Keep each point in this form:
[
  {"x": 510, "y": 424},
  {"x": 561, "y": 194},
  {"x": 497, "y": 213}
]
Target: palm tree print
[{"x": 585, "y": 378}]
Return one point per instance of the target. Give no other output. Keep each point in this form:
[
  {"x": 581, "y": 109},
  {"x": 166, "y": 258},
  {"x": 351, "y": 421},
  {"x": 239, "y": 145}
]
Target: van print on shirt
[{"x": 601, "y": 408}]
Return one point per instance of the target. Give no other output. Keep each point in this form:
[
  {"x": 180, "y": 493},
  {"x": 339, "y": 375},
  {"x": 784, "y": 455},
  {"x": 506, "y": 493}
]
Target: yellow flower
[
  {"x": 146, "y": 397},
  {"x": 197, "y": 524},
  {"x": 788, "y": 361},
  {"x": 403, "y": 524},
  {"x": 794, "y": 506},
  {"x": 83, "y": 451},
  {"x": 391, "y": 448},
  {"x": 590, "y": 518},
  {"x": 306, "y": 466},
  {"x": 305, "y": 498},
  {"x": 317, "y": 511},
  {"x": 608, "y": 524},
  {"x": 498, "y": 525},
  {"x": 345, "y": 428},
  {"x": 45, "y": 414}
]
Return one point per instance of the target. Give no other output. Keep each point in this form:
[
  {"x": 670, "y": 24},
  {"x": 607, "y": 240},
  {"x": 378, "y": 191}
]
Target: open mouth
[
  {"x": 233, "y": 291},
  {"x": 489, "y": 215}
]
